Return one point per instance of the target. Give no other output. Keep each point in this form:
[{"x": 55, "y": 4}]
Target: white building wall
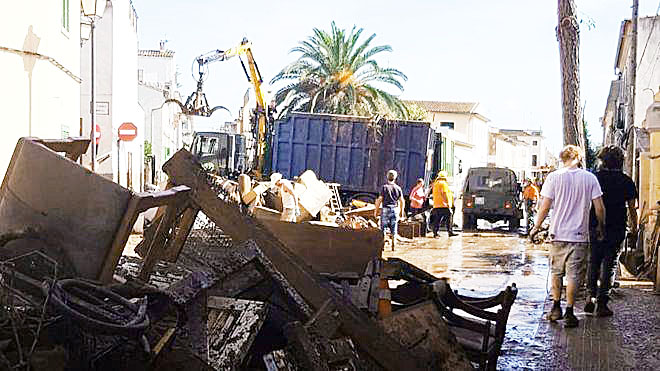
[
  {"x": 116, "y": 89},
  {"x": 648, "y": 72},
  {"x": 36, "y": 97},
  {"x": 163, "y": 122}
]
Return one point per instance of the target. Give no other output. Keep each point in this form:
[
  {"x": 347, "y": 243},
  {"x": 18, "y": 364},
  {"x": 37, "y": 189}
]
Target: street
[{"x": 484, "y": 263}]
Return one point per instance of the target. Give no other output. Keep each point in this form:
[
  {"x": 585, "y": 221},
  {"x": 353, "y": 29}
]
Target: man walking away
[
  {"x": 571, "y": 192},
  {"x": 391, "y": 198},
  {"x": 417, "y": 199},
  {"x": 530, "y": 197},
  {"x": 619, "y": 192},
  {"x": 443, "y": 201}
]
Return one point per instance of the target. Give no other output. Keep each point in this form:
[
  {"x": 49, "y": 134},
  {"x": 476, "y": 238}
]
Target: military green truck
[{"x": 492, "y": 194}]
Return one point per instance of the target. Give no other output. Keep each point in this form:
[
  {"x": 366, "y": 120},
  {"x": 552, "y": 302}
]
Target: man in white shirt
[{"x": 570, "y": 191}]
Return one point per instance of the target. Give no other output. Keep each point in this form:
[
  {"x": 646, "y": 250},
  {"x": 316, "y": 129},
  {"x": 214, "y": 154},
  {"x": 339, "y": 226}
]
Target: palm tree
[{"x": 336, "y": 73}]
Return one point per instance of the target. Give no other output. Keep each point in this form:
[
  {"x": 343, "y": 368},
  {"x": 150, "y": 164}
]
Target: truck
[
  {"x": 492, "y": 194},
  {"x": 356, "y": 152}
]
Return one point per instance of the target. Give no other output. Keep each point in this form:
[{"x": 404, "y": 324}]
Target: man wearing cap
[
  {"x": 391, "y": 198},
  {"x": 289, "y": 198},
  {"x": 443, "y": 200}
]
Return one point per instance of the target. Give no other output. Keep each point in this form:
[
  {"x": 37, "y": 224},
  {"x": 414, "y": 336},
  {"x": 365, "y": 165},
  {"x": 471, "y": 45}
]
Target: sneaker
[
  {"x": 555, "y": 312},
  {"x": 569, "y": 318},
  {"x": 590, "y": 306},
  {"x": 452, "y": 234},
  {"x": 603, "y": 311}
]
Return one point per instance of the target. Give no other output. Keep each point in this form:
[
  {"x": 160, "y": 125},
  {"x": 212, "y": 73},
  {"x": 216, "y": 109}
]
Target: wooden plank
[
  {"x": 326, "y": 248},
  {"x": 279, "y": 360},
  {"x": 72, "y": 147},
  {"x": 157, "y": 245},
  {"x": 369, "y": 336},
  {"x": 232, "y": 326},
  {"x": 182, "y": 230}
]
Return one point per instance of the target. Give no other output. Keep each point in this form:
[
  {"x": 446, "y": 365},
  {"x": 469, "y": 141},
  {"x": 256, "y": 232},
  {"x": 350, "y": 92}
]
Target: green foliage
[
  {"x": 590, "y": 149},
  {"x": 416, "y": 112},
  {"x": 147, "y": 150},
  {"x": 336, "y": 73}
]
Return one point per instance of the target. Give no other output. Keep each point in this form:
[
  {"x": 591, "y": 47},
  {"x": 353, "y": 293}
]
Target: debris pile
[{"x": 217, "y": 287}]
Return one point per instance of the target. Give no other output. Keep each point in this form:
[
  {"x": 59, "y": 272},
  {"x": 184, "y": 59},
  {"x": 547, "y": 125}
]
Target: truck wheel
[
  {"x": 514, "y": 224},
  {"x": 469, "y": 222}
]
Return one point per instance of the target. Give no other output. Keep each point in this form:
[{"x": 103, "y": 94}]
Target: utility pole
[
  {"x": 568, "y": 35},
  {"x": 630, "y": 101}
]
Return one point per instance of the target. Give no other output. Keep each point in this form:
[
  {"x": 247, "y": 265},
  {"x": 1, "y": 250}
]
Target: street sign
[
  {"x": 97, "y": 134},
  {"x": 127, "y": 131}
]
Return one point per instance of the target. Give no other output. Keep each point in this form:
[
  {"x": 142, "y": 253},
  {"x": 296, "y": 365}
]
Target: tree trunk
[
  {"x": 630, "y": 96},
  {"x": 568, "y": 35}
]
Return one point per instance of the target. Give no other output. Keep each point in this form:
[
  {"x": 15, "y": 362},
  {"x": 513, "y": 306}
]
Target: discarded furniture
[
  {"x": 410, "y": 229},
  {"x": 367, "y": 335},
  {"x": 86, "y": 216},
  {"x": 481, "y": 337},
  {"x": 326, "y": 248}
]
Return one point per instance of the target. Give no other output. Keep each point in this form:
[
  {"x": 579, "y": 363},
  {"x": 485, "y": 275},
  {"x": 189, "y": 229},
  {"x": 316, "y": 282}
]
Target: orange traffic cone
[{"x": 384, "y": 299}]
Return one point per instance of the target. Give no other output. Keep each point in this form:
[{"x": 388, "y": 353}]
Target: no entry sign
[{"x": 127, "y": 132}]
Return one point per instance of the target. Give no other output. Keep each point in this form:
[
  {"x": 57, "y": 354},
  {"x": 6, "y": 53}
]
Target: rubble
[{"x": 221, "y": 284}]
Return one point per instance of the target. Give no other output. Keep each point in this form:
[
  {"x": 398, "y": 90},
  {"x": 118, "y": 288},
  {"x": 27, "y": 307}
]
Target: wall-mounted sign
[{"x": 103, "y": 108}]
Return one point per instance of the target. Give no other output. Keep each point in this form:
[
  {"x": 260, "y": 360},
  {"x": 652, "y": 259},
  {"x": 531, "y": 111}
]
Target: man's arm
[
  {"x": 632, "y": 215},
  {"x": 377, "y": 204},
  {"x": 599, "y": 208},
  {"x": 544, "y": 208},
  {"x": 402, "y": 206}
]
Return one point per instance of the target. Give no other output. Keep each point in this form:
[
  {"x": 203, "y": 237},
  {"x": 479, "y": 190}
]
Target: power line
[{"x": 657, "y": 11}]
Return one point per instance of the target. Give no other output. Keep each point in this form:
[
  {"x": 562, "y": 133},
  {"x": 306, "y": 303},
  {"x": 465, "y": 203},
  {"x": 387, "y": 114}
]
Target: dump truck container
[{"x": 355, "y": 152}]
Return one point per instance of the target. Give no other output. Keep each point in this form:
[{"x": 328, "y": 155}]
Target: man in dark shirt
[
  {"x": 391, "y": 198},
  {"x": 619, "y": 194}
]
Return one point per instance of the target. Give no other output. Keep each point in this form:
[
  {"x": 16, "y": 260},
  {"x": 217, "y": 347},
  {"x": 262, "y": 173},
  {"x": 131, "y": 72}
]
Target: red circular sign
[
  {"x": 127, "y": 131},
  {"x": 97, "y": 134}
]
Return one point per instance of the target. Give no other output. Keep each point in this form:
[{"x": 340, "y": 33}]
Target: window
[
  {"x": 447, "y": 125},
  {"x": 534, "y": 160},
  {"x": 65, "y": 15},
  {"x": 140, "y": 75},
  {"x": 535, "y": 142}
]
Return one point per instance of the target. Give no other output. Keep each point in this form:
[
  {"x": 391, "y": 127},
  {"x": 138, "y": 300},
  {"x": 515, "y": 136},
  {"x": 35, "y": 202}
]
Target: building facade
[
  {"x": 116, "y": 94},
  {"x": 466, "y": 128},
  {"x": 40, "y": 74},
  {"x": 165, "y": 125},
  {"x": 617, "y": 128},
  {"x": 539, "y": 159}
]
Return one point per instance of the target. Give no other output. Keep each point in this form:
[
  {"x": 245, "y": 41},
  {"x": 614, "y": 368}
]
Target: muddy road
[{"x": 482, "y": 264}]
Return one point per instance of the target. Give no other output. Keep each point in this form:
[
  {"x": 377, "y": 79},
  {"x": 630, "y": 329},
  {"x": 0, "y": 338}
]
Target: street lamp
[{"x": 92, "y": 9}]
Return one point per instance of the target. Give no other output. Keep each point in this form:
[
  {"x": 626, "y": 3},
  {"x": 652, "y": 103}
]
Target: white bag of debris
[{"x": 315, "y": 194}]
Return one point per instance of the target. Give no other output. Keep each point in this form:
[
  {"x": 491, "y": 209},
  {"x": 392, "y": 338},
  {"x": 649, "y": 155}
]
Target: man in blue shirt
[{"x": 391, "y": 199}]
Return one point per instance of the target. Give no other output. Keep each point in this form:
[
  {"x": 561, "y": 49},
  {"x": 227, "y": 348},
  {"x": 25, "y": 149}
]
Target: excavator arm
[{"x": 197, "y": 101}]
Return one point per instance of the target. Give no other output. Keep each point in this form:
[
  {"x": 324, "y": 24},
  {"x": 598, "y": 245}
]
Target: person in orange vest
[
  {"x": 530, "y": 198},
  {"x": 417, "y": 198},
  {"x": 443, "y": 201}
]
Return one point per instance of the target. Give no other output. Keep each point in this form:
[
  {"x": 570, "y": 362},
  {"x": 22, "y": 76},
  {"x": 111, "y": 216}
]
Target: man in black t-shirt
[
  {"x": 619, "y": 196},
  {"x": 391, "y": 198}
]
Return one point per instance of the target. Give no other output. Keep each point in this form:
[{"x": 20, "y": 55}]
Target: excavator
[{"x": 225, "y": 153}]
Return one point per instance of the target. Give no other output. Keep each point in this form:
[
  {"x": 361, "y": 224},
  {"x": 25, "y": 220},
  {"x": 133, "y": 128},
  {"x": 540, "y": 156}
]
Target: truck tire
[
  {"x": 514, "y": 224},
  {"x": 469, "y": 222}
]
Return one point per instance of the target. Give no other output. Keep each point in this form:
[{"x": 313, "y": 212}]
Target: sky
[{"x": 502, "y": 54}]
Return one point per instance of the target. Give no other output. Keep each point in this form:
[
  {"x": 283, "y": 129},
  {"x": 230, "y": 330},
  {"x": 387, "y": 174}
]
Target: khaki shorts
[{"x": 569, "y": 259}]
